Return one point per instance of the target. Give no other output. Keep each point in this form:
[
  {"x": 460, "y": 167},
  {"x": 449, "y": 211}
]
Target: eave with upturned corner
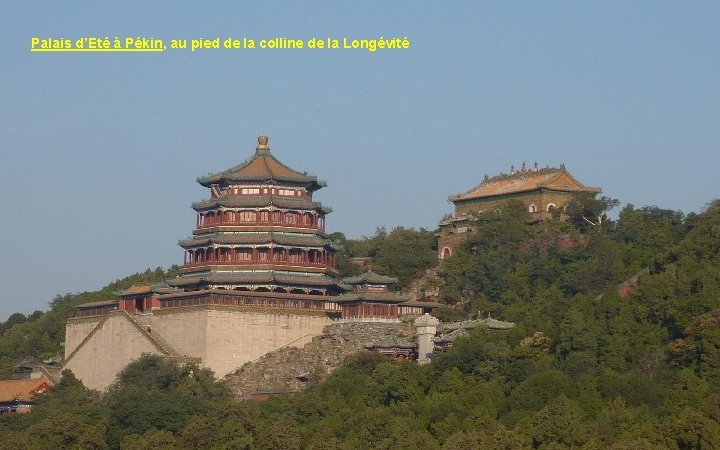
[{"x": 262, "y": 167}]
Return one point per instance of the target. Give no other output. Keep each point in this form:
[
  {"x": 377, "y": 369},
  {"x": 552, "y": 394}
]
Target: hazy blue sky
[{"x": 100, "y": 151}]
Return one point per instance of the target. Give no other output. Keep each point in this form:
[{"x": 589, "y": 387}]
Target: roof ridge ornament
[{"x": 263, "y": 146}]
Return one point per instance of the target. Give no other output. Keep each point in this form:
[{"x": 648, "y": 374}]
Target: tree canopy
[{"x": 588, "y": 365}]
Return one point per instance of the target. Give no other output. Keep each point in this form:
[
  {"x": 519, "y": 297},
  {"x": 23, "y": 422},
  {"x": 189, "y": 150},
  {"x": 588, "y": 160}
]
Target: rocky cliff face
[
  {"x": 288, "y": 369},
  {"x": 427, "y": 287}
]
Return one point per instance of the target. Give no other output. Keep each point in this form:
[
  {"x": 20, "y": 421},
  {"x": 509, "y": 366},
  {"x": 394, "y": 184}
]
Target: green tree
[
  {"x": 391, "y": 383},
  {"x": 404, "y": 253},
  {"x": 587, "y": 211},
  {"x": 233, "y": 425},
  {"x": 560, "y": 422},
  {"x": 64, "y": 430},
  {"x": 282, "y": 433},
  {"x": 150, "y": 440},
  {"x": 155, "y": 393},
  {"x": 484, "y": 433}
]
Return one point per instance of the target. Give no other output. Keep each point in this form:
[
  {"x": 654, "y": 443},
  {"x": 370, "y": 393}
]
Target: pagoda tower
[
  {"x": 260, "y": 231},
  {"x": 259, "y": 275}
]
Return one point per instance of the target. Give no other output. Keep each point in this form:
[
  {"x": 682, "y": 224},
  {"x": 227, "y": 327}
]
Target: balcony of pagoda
[
  {"x": 252, "y": 299},
  {"x": 261, "y": 265},
  {"x": 301, "y": 221},
  {"x": 260, "y": 256}
]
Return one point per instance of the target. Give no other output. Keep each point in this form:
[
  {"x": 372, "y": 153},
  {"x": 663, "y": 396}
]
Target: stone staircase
[{"x": 144, "y": 323}]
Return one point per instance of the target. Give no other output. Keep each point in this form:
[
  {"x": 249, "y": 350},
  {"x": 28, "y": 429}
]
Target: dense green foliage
[
  {"x": 404, "y": 253},
  {"x": 41, "y": 335},
  {"x": 583, "y": 368}
]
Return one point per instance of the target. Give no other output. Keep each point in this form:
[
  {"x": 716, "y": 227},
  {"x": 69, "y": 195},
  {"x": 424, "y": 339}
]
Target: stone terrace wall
[
  {"x": 115, "y": 341},
  {"x": 278, "y": 371},
  {"x": 225, "y": 338}
]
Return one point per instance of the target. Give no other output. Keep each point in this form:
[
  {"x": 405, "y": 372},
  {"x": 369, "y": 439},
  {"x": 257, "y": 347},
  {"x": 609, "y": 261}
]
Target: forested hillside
[
  {"x": 402, "y": 252},
  {"x": 583, "y": 368}
]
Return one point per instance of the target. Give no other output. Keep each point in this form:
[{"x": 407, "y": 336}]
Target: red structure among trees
[{"x": 370, "y": 299}]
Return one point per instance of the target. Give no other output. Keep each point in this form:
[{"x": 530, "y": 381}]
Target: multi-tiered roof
[
  {"x": 260, "y": 231},
  {"x": 262, "y": 168},
  {"x": 370, "y": 298}
]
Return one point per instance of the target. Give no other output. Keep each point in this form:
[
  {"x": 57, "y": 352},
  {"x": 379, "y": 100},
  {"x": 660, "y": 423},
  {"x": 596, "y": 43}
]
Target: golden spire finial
[{"x": 263, "y": 144}]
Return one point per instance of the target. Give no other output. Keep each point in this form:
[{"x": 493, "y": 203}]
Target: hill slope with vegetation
[{"x": 583, "y": 368}]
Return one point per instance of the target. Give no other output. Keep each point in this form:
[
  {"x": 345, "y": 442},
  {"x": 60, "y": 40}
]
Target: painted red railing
[{"x": 256, "y": 263}]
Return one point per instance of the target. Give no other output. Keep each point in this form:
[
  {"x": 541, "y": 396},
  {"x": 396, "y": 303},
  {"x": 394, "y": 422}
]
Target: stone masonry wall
[
  {"x": 107, "y": 349},
  {"x": 278, "y": 371},
  {"x": 541, "y": 200},
  {"x": 76, "y": 330},
  {"x": 98, "y": 348},
  {"x": 234, "y": 338}
]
